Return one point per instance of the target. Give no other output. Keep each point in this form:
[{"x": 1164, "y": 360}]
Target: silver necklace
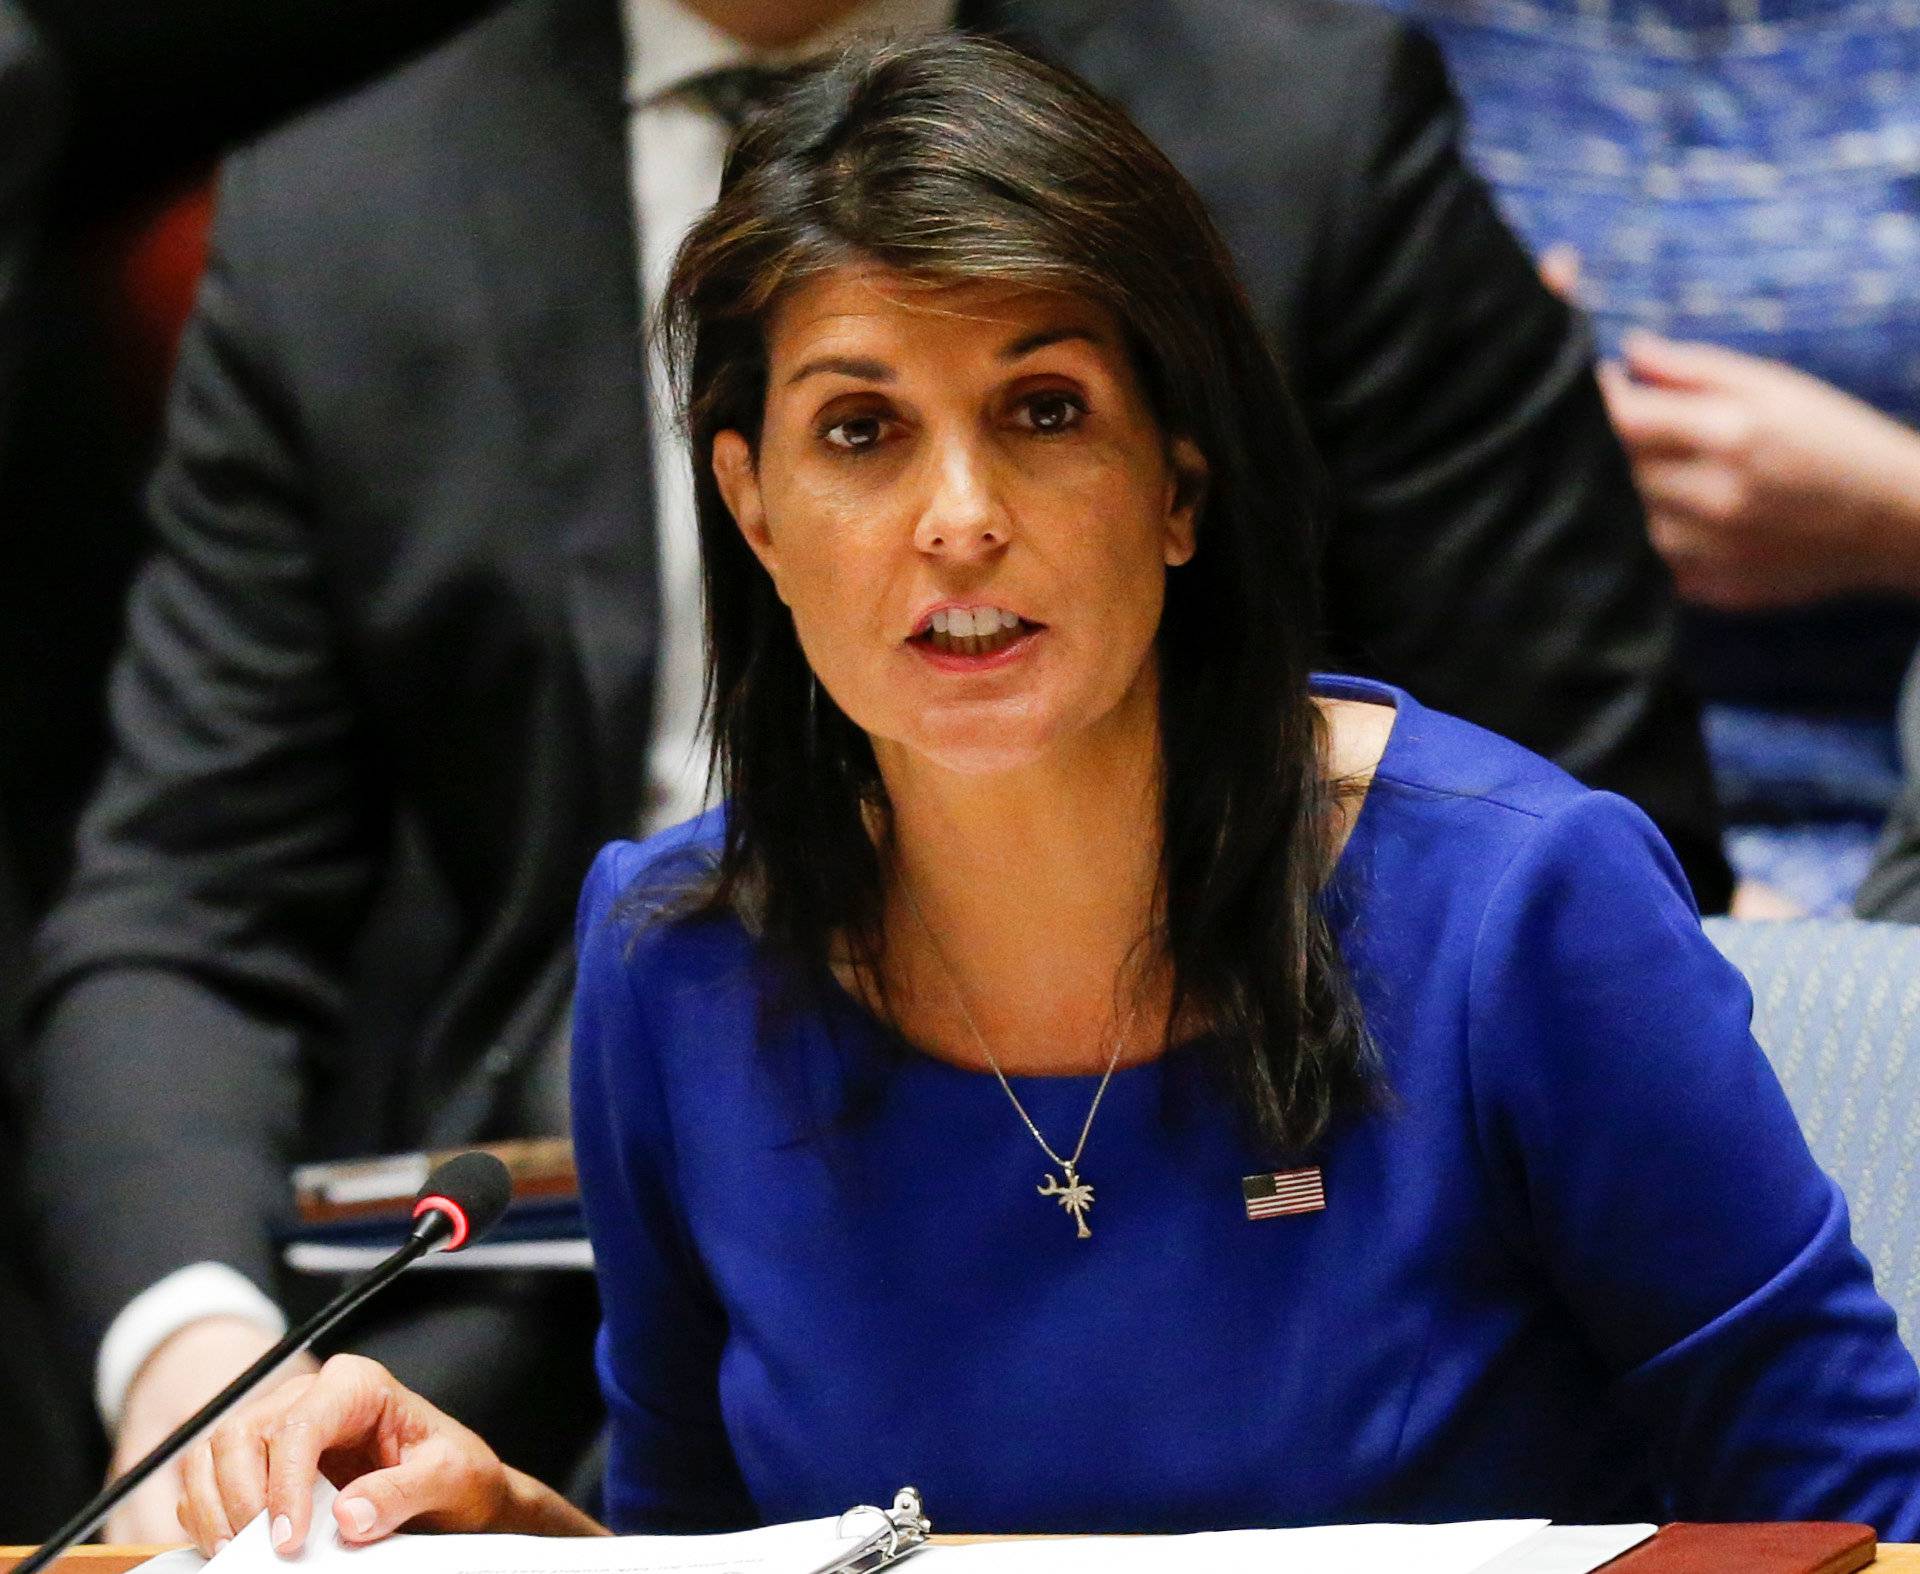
[{"x": 1072, "y": 1193}]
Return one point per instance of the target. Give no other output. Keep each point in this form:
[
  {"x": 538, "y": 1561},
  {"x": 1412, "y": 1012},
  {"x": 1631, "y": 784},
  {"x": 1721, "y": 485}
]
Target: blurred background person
[
  {"x": 152, "y": 92},
  {"x": 424, "y": 577},
  {"x": 109, "y": 111},
  {"x": 1732, "y": 192}
]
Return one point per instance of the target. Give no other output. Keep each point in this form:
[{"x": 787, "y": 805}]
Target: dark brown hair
[{"x": 959, "y": 159}]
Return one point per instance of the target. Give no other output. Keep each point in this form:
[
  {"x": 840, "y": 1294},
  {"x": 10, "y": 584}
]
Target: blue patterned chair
[{"x": 1836, "y": 1006}]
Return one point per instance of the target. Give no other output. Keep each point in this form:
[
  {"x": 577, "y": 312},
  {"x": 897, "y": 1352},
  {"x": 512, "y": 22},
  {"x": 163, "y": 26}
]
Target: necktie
[{"x": 734, "y": 92}]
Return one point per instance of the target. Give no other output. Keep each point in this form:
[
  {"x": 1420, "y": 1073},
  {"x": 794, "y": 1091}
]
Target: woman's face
[{"x": 965, "y": 502}]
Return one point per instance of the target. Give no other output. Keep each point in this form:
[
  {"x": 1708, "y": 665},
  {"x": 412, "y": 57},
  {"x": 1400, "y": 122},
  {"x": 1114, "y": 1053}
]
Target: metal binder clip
[{"x": 902, "y": 1531}]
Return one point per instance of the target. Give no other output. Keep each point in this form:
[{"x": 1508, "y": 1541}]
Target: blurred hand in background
[{"x": 1764, "y": 486}]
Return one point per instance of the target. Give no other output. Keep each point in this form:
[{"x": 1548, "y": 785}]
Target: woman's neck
[
  {"x": 1038, "y": 888},
  {"x": 1025, "y": 896}
]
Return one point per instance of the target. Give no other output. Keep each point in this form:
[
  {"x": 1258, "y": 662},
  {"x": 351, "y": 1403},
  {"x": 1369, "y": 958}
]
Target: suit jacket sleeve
[
  {"x": 226, "y": 859},
  {"x": 1489, "y": 551}
]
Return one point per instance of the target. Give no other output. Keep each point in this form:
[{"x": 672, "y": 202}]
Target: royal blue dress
[{"x": 1581, "y": 1265}]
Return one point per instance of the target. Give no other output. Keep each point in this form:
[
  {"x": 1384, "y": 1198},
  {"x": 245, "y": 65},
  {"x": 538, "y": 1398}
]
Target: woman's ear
[
  {"x": 739, "y": 484},
  {"x": 1186, "y": 496}
]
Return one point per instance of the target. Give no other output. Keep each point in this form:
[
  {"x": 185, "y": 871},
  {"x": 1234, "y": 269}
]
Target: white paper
[
  {"x": 1513, "y": 1546},
  {"x": 777, "y": 1549},
  {"x": 185, "y": 1561}
]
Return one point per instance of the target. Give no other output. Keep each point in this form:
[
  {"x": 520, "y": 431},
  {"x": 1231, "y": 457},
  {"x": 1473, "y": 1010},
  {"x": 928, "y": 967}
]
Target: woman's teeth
[{"x": 973, "y": 631}]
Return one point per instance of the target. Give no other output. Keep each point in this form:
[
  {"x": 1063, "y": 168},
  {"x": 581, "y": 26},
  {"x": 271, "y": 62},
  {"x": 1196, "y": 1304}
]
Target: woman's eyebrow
[
  {"x": 1028, "y": 343},
  {"x": 845, "y": 366}
]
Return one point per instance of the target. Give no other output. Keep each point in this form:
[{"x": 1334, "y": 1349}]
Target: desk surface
[{"x": 117, "y": 1560}]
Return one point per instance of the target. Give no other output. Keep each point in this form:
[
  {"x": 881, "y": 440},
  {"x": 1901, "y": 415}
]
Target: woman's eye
[
  {"x": 856, "y": 434},
  {"x": 1052, "y": 412}
]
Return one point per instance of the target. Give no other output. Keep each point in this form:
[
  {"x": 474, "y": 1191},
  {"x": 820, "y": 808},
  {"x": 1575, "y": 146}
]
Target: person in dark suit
[
  {"x": 101, "y": 102},
  {"x": 409, "y": 560},
  {"x": 150, "y": 92}
]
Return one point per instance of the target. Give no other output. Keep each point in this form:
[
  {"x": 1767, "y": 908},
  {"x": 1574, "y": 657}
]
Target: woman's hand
[{"x": 398, "y": 1461}]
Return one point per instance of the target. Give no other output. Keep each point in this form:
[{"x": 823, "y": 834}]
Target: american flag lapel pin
[{"x": 1284, "y": 1191}]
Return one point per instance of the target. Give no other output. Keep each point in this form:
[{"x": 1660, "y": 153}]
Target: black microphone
[{"x": 462, "y": 1200}]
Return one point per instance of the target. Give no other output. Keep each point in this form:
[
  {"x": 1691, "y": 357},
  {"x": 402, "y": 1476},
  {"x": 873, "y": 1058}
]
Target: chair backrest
[{"x": 1836, "y": 1007}]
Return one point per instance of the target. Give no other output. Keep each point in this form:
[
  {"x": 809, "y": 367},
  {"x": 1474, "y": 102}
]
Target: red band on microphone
[{"x": 453, "y": 1210}]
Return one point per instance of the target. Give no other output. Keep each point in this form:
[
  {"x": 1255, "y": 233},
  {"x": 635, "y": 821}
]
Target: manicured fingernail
[
  {"x": 282, "y": 1531},
  {"x": 360, "y": 1515}
]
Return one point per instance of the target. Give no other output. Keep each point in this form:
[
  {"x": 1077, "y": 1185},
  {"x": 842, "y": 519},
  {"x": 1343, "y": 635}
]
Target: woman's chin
[
  {"x": 1020, "y": 732},
  {"x": 979, "y": 746}
]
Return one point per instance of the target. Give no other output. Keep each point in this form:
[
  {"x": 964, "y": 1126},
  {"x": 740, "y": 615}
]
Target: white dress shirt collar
[{"x": 668, "y": 44}]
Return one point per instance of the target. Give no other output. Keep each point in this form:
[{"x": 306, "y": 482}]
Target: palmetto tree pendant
[{"x": 1076, "y": 1197}]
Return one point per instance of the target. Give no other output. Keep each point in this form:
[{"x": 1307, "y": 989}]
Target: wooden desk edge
[{"x": 118, "y": 1560}]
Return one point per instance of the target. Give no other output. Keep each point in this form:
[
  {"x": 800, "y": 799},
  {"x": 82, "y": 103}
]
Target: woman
[{"x": 1089, "y": 1072}]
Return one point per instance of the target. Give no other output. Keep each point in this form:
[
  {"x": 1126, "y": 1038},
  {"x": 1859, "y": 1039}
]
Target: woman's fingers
[
  {"x": 268, "y": 1456},
  {"x": 342, "y": 1409},
  {"x": 223, "y": 1476},
  {"x": 426, "y": 1466},
  {"x": 430, "y": 1479},
  {"x": 202, "y": 1515},
  {"x": 237, "y": 1467}
]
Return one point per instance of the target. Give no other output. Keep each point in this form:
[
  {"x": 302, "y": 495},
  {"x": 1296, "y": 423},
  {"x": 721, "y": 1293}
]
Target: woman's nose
[{"x": 964, "y": 515}]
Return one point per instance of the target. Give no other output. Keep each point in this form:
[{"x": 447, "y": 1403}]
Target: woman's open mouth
[{"x": 965, "y": 635}]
